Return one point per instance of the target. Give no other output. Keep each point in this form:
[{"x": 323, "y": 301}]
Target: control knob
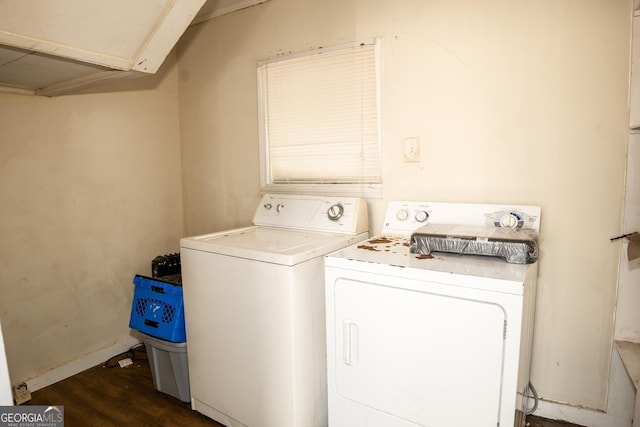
[
  {"x": 279, "y": 207},
  {"x": 421, "y": 216},
  {"x": 402, "y": 215},
  {"x": 510, "y": 220},
  {"x": 335, "y": 212}
]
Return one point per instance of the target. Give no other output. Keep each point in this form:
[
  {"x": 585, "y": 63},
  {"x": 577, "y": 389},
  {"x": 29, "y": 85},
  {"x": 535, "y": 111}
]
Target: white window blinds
[{"x": 320, "y": 117}]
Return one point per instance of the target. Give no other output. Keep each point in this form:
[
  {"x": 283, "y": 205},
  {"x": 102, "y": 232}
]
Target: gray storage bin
[{"x": 169, "y": 366}]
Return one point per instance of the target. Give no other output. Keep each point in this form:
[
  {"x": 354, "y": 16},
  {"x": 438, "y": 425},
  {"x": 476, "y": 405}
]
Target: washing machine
[
  {"x": 430, "y": 339},
  {"x": 255, "y": 315}
]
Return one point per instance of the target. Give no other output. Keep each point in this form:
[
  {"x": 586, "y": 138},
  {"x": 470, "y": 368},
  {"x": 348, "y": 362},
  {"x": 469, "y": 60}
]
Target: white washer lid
[{"x": 271, "y": 244}]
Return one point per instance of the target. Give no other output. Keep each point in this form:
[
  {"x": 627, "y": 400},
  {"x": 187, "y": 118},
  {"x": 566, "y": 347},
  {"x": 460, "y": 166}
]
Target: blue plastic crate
[{"x": 158, "y": 309}]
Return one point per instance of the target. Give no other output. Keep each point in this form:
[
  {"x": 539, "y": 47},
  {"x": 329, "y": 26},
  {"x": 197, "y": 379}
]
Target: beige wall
[
  {"x": 514, "y": 102},
  {"x": 91, "y": 192}
]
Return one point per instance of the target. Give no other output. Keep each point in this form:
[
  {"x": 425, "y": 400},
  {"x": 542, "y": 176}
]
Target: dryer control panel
[
  {"x": 403, "y": 217},
  {"x": 344, "y": 215}
]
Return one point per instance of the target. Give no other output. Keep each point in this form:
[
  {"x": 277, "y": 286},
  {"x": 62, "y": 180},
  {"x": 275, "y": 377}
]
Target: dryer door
[{"x": 427, "y": 358}]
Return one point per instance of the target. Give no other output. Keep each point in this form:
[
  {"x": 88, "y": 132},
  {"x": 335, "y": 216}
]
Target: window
[{"x": 320, "y": 121}]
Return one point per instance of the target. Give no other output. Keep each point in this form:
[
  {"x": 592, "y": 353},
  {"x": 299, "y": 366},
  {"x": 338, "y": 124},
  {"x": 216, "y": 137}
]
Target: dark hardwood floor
[
  {"x": 543, "y": 422},
  {"x": 122, "y": 397}
]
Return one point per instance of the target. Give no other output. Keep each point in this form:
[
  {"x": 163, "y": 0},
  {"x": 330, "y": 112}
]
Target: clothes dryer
[{"x": 434, "y": 339}]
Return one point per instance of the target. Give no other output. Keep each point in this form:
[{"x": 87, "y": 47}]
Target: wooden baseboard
[{"x": 79, "y": 365}]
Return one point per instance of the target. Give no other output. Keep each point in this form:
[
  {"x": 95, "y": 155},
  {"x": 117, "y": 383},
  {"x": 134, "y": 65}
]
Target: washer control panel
[
  {"x": 403, "y": 217},
  {"x": 313, "y": 213}
]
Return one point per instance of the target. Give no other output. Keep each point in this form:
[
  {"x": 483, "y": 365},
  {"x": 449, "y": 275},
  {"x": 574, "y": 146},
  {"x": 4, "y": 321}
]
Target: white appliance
[
  {"x": 6, "y": 397},
  {"x": 254, "y": 311},
  {"x": 429, "y": 340}
]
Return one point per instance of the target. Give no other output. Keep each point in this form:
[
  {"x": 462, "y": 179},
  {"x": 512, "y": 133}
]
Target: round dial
[
  {"x": 402, "y": 214},
  {"x": 421, "y": 216},
  {"x": 279, "y": 207},
  {"x": 511, "y": 220},
  {"x": 335, "y": 212},
  {"x": 268, "y": 206}
]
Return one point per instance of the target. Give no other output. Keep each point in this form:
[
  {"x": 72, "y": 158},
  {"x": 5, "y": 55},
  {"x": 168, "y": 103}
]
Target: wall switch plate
[
  {"x": 412, "y": 149},
  {"x": 21, "y": 393}
]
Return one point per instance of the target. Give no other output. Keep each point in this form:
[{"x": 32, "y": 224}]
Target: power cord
[
  {"x": 535, "y": 399},
  {"x": 131, "y": 353}
]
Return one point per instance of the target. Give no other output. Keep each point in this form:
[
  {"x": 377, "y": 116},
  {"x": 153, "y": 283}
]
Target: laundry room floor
[
  {"x": 543, "y": 422},
  {"x": 105, "y": 397}
]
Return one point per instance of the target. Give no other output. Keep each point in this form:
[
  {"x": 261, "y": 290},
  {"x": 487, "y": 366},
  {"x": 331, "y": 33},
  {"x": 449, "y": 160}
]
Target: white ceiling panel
[
  {"x": 88, "y": 37},
  {"x": 39, "y": 71},
  {"x": 8, "y": 54},
  {"x": 113, "y": 28},
  {"x": 56, "y": 47}
]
